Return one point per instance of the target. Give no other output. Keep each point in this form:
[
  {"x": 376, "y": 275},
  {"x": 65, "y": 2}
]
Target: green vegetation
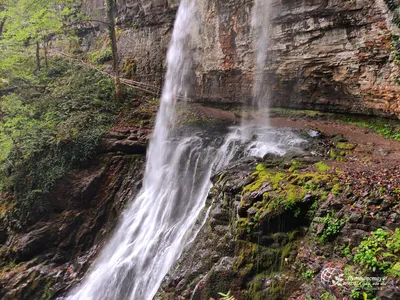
[
  {"x": 327, "y": 296},
  {"x": 309, "y": 274},
  {"x": 284, "y": 191},
  {"x": 395, "y": 44},
  {"x": 26, "y": 29},
  {"x": 227, "y": 296},
  {"x": 394, "y": 8},
  {"x": 386, "y": 127},
  {"x": 50, "y": 124},
  {"x": 332, "y": 226},
  {"x": 380, "y": 252},
  {"x": 101, "y": 56},
  {"x": 53, "y": 113},
  {"x": 321, "y": 166}
]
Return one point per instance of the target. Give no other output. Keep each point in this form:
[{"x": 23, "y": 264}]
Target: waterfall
[
  {"x": 154, "y": 229},
  {"x": 259, "y": 25},
  {"x": 161, "y": 221}
]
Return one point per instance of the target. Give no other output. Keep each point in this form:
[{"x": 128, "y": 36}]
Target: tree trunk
[
  {"x": 37, "y": 56},
  {"x": 2, "y": 22},
  {"x": 114, "y": 48},
  {"x": 45, "y": 54}
]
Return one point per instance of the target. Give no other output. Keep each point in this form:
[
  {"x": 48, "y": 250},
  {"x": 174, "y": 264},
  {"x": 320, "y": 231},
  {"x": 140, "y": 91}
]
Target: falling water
[
  {"x": 161, "y": 221},
  {"x": 153, "y": 229},
  {"x": 260, "y": 25}
]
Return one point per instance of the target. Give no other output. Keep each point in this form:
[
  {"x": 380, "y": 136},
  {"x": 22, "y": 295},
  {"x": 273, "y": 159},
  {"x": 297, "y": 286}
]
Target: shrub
[
  {"x": 49, "y": 125},
  {"x": 380, "y": 252}
]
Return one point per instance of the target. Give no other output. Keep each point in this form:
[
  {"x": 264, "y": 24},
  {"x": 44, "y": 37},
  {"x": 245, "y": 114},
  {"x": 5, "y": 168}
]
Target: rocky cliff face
[
  {"x": 44, "y": 260},
  {"x": 331, "y": 55}
]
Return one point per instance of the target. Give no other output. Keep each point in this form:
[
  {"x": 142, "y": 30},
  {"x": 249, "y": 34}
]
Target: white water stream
[
  {"x": 260, "y": 22},
  {"x": 161, "y": 221}
]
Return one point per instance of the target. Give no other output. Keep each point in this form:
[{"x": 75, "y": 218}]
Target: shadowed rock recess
[{"x": 331, "y": 55}]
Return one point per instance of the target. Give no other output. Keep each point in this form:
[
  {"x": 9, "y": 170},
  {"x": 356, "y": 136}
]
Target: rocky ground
[
  {"x": 302, "y": 226},
  {"x": 275, "y": 223}
]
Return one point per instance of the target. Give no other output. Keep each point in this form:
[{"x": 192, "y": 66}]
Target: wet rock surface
[{"x": 276, "y": 225}]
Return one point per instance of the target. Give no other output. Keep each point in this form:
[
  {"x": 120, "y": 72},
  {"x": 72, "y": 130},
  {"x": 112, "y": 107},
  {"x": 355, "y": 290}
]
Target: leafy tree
[{"x": 27, "y": 26}]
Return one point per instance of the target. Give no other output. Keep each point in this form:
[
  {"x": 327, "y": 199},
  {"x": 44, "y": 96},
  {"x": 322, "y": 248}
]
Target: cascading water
[
  {"x": 153, "y": 230},
  {"x": 161, "y": 221},
  {"x": 260, "y": 25}
]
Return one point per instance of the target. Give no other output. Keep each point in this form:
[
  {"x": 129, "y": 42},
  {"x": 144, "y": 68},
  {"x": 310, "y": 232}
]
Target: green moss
[
  {"x": 295, "y": 165},
  {"x": 260, "y": 167},
  {"x": 261, "y": 176},
  {"x": 337, "y": 154},
  {"x": 310, "y": 180},
  {"x": 287, "y": 191},
  {"x": 47, "y": 293},
  {"x": 345, "y": 146},
  {"x": 336, "y": 189},
  {"x": 332, "y": 154},
  {"x": 255, "y": 289},
  {"x": 253, "y": 258},
  {"x": 321, "y": 166}
]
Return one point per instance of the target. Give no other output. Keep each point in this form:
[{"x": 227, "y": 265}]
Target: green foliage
[
  {"x": 308, "y": 274},
  {"x": 332, "y": 226},
  {"x": 327, "y": 296},
  {"x": 28, "y": 26},
  {"x": 388, "y": 128},
  {"x": 49, "y": 125},
  {"x": 380, "y": 252},
  {"x": 101, "y": 56},
  {"x": 227, "y": 296},
  {"x": 346, "y": 251}
]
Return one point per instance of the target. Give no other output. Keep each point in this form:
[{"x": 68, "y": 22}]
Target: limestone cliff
[{"x": 331, "y": 55}]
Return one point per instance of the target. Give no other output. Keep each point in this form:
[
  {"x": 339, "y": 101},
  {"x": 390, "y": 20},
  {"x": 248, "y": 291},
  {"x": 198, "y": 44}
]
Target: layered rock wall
[
  {"x": 46, "y": 259},
  {"x": 332, "y": 55}
]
